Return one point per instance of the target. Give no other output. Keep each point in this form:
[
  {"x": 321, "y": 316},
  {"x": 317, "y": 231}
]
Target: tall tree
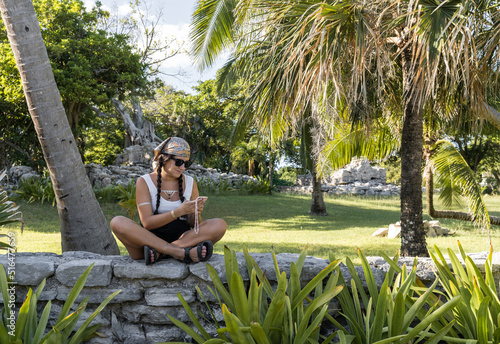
[
  {"x": 91, "y": 66},
  {"x": 83, "y": 225}
]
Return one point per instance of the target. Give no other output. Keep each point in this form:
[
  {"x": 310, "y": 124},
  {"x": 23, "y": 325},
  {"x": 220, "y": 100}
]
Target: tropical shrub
[
  {"x": 9, "y": 212},
  {"x": 477, "y": 315},
  {"x": 402, "y": 311},
  {"x": 27, "y": 328},
  {"x": 262, "y": 314},
  {"x": 36, "y": 189},
  {"x": 126, "y": 198},
  {"x": 286, "y": 176},
  {"x": 225, "y": 186},
  {"x": 107, "y": 194}
]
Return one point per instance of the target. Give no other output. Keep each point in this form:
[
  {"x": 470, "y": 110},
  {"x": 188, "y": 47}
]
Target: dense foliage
[
  {"x": 26, "y": 327},
  {"x": 90, "y": 65},
  {"x": 401, "y": 310}
]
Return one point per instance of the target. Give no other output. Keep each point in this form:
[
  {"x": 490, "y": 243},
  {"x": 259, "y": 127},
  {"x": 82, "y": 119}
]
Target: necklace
[
  {"x": 169, "y": 193},
  {"x": 196, "y": 224}
]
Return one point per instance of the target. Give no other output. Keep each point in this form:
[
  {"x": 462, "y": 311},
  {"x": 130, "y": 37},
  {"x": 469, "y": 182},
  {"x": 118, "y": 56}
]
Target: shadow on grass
[
  {"x": 285, "y": 212},
  {"x": 43, "y": 218}
]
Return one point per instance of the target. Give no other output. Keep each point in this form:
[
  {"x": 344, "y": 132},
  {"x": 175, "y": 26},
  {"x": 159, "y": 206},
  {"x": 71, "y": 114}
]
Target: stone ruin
[
  {"x": 134, "y": 162},
  {"x": 432, "y": 229},
  {"x": 356, "y": 178}
]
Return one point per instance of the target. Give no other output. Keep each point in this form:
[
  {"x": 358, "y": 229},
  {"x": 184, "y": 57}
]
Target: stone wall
[
  {"x": 139, "y": 313},
  {"x": 102, "y": 176}
]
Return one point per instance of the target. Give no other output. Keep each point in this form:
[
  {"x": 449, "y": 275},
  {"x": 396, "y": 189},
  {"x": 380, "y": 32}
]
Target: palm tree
[
  {"x": 311, "y": 51},
  {"x": 83, "y": 225},
  {"x": 220, "y": 24}
]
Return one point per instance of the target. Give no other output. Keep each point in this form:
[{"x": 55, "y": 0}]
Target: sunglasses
[{"x": 180, "y": 162}]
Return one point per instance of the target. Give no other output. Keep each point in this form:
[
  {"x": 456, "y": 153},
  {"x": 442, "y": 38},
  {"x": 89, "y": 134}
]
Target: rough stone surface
[
  {"x": 28, "y": 269},
  {"x": 165, "y": 269},
  {"x": 139, "y": 313},
  {"x": 357, "y": 178},
  {"x": 100, "y": 275},
  {"x": 168, "y": 296},
  {"x": 394, "y": 231}
]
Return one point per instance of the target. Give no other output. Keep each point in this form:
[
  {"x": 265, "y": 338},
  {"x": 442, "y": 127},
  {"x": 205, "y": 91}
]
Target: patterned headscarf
[{"x": 173, "y": 146}]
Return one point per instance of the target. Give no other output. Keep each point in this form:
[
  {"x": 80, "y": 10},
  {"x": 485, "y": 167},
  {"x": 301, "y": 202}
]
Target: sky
[{"x": 175, "y": 23}]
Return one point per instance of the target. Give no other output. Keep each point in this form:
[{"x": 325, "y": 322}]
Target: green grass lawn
[{"x": 280, "y": 221}]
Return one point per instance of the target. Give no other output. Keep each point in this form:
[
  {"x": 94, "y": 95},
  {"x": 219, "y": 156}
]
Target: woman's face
[{"x": 171, "y": 169}]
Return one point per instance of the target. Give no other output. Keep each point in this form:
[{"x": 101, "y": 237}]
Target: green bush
[
  {"x": 476, "y": 318},
  {"x": 36, "y": 189},
  {"x": 393, "y": 170},
  {"x": 107, "y": 194},
  {"x": 226, "y": 187},
  {"x": 9, "y": 212},
  {"x": 286, "y": 176},
  {"x": 126, "y": 198},
  {"x": 27, "y": 328},
  {"x": 402, "y": 311}
]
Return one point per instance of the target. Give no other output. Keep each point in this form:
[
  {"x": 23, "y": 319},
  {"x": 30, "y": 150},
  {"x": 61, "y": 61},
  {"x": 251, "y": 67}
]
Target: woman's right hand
[{"x": 186, "y": 208}]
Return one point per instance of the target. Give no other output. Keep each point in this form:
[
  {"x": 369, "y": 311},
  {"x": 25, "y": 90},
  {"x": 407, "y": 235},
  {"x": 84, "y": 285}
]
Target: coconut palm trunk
[
  {"x": 318, "y": 206},
  {"x": 412, "y": 227},
  {"x": 83, "y": 225}
]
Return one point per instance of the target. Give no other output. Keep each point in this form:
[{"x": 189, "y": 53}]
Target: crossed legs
[{"x": 135, "y": 237}]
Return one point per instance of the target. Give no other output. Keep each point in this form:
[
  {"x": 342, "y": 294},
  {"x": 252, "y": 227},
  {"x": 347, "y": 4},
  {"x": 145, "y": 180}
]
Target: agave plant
[
  {"x": 403, "y": 310},
  {"x": 264, "y": 315},
  {"x": 29, "y": 329},
  {"x": 478, "y": 312},
  {"x": 9, "y": 212},
  {"x": 126, "y": 198}
]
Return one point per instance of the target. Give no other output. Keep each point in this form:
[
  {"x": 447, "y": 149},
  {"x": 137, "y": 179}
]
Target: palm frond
[
  {"x": 212, "y": 30},
  {"x": 453, "y": 170},
  {"x": 348, "y": 143}
]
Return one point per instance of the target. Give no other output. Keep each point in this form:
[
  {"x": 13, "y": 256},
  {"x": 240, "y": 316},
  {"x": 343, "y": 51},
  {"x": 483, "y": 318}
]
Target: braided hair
[{"x": 161, "y": 161}]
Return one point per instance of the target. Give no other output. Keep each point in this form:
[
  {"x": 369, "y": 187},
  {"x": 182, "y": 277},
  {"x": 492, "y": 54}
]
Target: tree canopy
[{"x": 90, "y": 65}]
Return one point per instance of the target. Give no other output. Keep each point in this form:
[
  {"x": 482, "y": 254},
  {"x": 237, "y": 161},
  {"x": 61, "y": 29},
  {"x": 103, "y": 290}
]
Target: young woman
[{"x": 169, "y": 208}]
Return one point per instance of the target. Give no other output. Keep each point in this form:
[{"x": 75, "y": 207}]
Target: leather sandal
[
  {"x": 199, "y": 250},
  {"x": 148, "y": 251}
]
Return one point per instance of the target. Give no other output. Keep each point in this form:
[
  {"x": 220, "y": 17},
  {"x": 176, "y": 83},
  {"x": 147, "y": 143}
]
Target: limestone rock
[
  {"x": 381, "y": 232},
  {"x": 394, "y": 231},
  {"x": 29, "y": 269},
  {"x": 100, "y": 275},
  {"x": 168, "y": 296},
  {"x": 167, "y": 268}
]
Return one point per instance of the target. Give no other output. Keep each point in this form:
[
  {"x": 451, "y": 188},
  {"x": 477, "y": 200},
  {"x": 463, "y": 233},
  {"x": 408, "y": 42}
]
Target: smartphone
[{"x": 203, "y": 198}]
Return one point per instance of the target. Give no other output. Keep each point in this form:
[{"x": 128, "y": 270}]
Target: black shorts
[{"x": 172, "y": 230}]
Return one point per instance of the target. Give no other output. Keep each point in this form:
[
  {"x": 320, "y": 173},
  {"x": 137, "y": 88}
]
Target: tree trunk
[
  {"x": 138, "y": 130},
  {"x": 318, "y": 206},
  {"x": 83, "y": 225},
  {"x": 491, "y": 115},
  {"x": 412, "y": 226},
  {"x": 445, "y": 214},
  {"x": 271, "y": 170}
]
